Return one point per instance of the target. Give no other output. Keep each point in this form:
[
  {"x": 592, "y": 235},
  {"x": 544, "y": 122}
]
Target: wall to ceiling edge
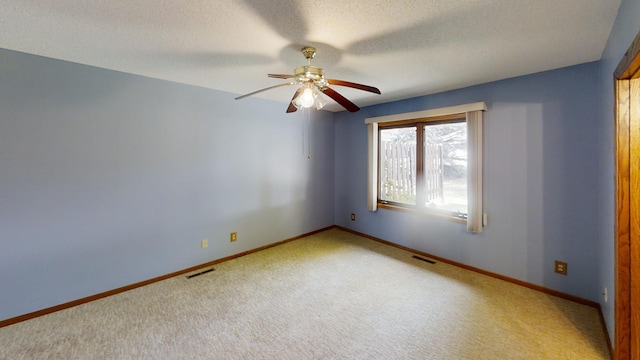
[
  {"x": 541, "y": 177},
  {"x": 108, "y": 179},
  {"x": 549, "y": 176}
]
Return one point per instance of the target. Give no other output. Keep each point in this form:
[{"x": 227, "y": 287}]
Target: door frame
[{"x": 627, "y": 197}]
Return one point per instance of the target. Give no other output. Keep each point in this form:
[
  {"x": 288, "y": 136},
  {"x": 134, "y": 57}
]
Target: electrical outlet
[
  {"x": 204, "y": 243},
  {"x": 353, "y": 217},
  {"x": 233, "y": 237},
  {"x": 605, "y": 294},
  {"x": 561, "y": 267}
]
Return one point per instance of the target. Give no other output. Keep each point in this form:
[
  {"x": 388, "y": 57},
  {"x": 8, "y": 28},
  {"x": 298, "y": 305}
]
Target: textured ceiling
[{"x": 406, "y": 48}]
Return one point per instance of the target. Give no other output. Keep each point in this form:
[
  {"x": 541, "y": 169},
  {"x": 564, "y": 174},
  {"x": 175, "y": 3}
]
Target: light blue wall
[
  {"x": 541, "y": 148},
  {"x": 549, "y": 176},
  {"x": 107, "y": 179},
  {"x": 626, "y": 28}
]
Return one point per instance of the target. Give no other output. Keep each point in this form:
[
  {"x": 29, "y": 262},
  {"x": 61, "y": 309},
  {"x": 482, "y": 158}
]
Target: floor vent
[
  {"x": 200, "y": 273},
  {"x": 423, "y": 259}
]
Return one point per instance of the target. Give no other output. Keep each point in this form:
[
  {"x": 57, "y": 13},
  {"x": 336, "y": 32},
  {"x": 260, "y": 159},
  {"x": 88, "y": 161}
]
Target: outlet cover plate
[{"x": 560, "y": 267}]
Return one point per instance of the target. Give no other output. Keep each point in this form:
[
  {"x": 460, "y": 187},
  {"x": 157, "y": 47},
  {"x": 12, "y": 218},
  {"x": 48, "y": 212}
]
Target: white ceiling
[{"x": 406, "y": 48}]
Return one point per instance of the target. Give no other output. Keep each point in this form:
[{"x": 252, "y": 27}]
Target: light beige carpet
[{"x": 333, "y": 295}]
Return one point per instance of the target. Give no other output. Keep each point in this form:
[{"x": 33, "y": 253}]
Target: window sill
[{"x": 426, "y": 212}]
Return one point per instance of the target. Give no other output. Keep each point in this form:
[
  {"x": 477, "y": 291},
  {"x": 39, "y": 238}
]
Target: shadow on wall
[{"x": 541, "y": 168}]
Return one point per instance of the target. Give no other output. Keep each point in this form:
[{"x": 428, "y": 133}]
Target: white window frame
[{"x": 473, "y": 114}]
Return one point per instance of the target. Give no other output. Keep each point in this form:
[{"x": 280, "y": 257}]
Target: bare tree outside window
[
  {"x": 398, "y": 165},
  {"x": 445, "y": 167},
  {"x": 440, "y": 181}
]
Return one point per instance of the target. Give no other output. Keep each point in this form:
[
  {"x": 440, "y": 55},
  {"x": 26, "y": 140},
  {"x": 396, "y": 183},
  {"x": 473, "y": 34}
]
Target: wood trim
[
  {"x": 627, "y": 227},
  {"x": 630, "y": 62},
  {"x": 87, "y": 299},
  {"x": 70, "y": 304},
  {"x": 559, "y": 294},
  {"x": 419, "y": 126},
  {"x": 634, "y": 217},
  {"x": 420, "y": 211},
  {"x": 542, "y": 289},
  {"x": 622, "y": 224}
]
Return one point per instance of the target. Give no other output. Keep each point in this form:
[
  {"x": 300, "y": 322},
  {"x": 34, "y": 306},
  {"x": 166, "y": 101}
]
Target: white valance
[{"x": 450, "y": 110}]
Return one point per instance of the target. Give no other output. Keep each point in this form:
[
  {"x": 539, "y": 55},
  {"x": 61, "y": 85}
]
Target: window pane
[
  {"x": 398, "y": 165},
  {"x": 445, "y": 166}
]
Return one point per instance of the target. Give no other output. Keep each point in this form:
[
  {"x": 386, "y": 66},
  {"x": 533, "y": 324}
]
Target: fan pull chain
[{"x": 308, "y": 123}]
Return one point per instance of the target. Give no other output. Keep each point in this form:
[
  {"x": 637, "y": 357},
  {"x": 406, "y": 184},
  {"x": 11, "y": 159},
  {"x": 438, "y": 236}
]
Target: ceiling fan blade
[
  {"x": 340, "y": 99},
  {"x": 354, "y": 85},
  {"x": 281, "y": 76},
  {"x": 293, "y": 108},
  {"x": 265, "y": 89}
]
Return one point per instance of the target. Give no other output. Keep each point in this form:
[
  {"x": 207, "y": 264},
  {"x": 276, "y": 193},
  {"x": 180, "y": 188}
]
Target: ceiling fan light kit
[
  {"x": 311, "y": 79},
  {"x": 309, "y": 97}
]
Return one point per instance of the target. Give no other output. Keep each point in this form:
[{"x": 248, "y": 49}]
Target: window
[
  {"x": 423, "y": 164},
  {"x": 429, "y": 161}
]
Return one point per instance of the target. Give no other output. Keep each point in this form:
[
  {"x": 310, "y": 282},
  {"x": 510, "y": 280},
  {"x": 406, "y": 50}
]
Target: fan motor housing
[{"x": 309, "y": 72}]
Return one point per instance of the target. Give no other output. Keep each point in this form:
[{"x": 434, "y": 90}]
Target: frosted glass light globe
[{"x": 306, "y": 99}]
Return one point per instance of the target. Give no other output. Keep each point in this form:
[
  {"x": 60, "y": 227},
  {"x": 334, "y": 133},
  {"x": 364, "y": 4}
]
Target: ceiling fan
[{"x": 311, "y": 79}]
